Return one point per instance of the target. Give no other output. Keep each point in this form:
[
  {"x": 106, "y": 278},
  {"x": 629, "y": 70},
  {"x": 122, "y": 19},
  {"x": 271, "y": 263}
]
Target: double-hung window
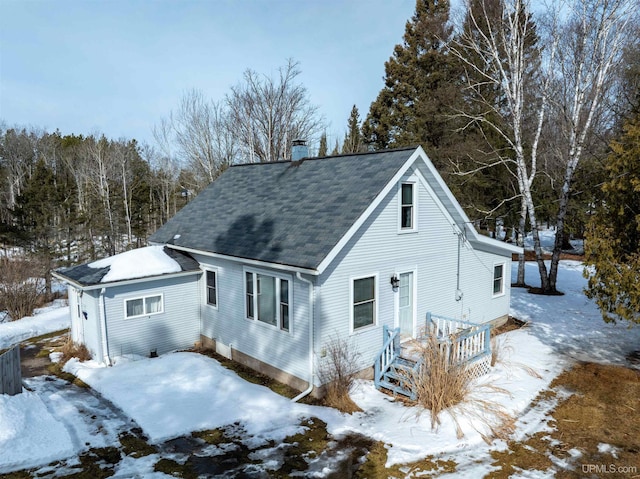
[
  {"x": 143, "y": 306},
  {"x": 267, "y": 299},
  {"x": 212, "y": 288},
  {"x": 407, "y": 206},
  {"x": 498, "y": 279},
  {"x": 364, "y": 302}
]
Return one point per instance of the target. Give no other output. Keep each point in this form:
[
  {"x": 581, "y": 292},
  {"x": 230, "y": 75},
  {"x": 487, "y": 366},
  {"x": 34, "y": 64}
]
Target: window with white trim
[
  {"x": 498, "y": 279},
  {"x": 267, "y": 299},
  {"x": 212, "y": 287},
  {"x": 143, "y": 306},
  {"x": 364, "y": 302},
  {"x": 407, "y": 207}
]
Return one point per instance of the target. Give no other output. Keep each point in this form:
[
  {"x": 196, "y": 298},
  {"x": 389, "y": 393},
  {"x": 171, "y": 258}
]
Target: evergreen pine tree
[
  {"x": 353, "y": 141},
  {"x": 413, "y": 106},
  {"x": 612, "y": 242},
  {"x": 35, "y": 214},
  {"x": 336, "y": 149},
  {"x": 322, "y": 150}
]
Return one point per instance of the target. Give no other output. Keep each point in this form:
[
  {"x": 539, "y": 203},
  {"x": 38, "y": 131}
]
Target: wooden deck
[{"x": 463, "y": 343}]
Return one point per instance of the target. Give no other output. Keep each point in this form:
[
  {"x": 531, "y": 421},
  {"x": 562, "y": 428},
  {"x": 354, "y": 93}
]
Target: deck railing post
[{"x": 487, "y": 340}]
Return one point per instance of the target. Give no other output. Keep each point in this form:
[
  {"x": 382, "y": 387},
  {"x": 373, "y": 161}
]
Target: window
[
  {"x": 267, "y": 299},
  {"x": 212, "y": 288},
  {"x": 498, "y": 279},
  {"x": 364, "y": 302},
  {"x": 144, "y": 306},
  {"x": 406, "y": 206}
]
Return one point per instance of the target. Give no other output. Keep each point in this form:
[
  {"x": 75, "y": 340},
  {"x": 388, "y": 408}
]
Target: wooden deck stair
[
  {"x": 398, "y": 377},
  {"x": 465, "y": 343}
]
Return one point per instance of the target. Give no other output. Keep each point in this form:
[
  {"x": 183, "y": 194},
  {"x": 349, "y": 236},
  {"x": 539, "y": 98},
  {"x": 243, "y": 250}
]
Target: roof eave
[
  {"x": 87, "y": 287},
  {"x": 491, "y": 245},
  {"x": 253, "y": 262}
]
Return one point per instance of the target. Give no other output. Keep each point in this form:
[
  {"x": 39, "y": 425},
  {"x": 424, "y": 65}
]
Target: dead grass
[
  {"x": 442, "y": 385},
  {"x": 604, "y": 408},
  {"x": 439, "y": 384},
  {"x": 374, "y": 466},
  {"x": 71, "y": 349},
  {"x": 500, "y": 349}
]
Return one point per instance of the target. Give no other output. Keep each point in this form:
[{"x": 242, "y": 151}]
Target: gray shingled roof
[
  {"x": 87, "y": 276},
  {"x": 290, "y": 213}
]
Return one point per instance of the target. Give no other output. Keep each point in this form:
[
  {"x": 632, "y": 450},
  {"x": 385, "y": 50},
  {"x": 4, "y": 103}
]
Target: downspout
[
  {"x": 103, "y": 328},
  {"x": 307, "y": 391}
]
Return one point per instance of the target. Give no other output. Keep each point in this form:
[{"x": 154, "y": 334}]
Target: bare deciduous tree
[
  {"x": 21, "y": 287},
  {"x": 590, "y": 53},
  {"x": 504, "y": 56},
  {"x": 583, "y": 47},
  {"x": 267, "y": 114}
]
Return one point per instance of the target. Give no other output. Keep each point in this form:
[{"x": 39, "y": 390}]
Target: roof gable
[
  {"x": 301, "y": 214},
  {"x": 289, "y": 213}
]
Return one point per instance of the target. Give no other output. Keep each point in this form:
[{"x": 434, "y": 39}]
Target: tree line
[{"x": 516, "y": 108}]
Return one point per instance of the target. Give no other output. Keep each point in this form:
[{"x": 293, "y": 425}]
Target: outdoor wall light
[{"x": 395, "y": 282}]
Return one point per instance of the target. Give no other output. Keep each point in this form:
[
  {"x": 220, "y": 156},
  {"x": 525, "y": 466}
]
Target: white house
[{"x": 274, "y": 260}]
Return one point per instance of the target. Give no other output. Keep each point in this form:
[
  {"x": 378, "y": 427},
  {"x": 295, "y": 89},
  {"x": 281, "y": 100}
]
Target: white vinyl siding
[
  {"x": 431, "y": 252},
  {"x": 177, "y": 326},
  {"x": 229, "y": 324}
]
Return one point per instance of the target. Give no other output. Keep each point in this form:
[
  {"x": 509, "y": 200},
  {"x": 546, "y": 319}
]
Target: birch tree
[
  {"x": 591, "y": 46},
  {"x": 504, "y": 65}
]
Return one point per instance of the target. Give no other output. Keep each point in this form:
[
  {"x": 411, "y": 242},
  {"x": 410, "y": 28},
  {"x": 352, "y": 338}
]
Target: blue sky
[{"x": 117, "y": 67}]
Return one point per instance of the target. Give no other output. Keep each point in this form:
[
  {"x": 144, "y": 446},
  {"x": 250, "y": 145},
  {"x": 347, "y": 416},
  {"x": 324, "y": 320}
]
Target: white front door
[{"x": 406, "y": 305}]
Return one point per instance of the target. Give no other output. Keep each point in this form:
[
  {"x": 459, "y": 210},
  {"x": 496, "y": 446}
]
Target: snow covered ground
[
  {"x": 44, "y": 320},
  {"x": 178, "y": 393}
]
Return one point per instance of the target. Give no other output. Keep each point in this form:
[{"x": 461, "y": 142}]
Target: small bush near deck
[
  {"x": 338, "y": 371},
  {"x": 442, "y": 384},
  {"x": 439, "y": 383},
  {"x": 71, "y": 349}
]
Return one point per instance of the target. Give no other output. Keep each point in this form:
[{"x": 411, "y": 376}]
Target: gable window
[
  {"x": 267, "y": 299},
  {"x": 364, "y": 302},
  {"x": 143, "y": 306},
  {"x": 498, "y": 279},
  {"x": 212, "y": 288},
  {"x": 407, "y": 206}
]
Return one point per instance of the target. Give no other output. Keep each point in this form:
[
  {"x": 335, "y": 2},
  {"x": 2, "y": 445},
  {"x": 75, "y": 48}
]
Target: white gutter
[
  {"x": 307, "y": 391},
  {"x": 124, "y": 282},
  {"x": 103, "y": 328},
  {"x": 237, "y": 259}
]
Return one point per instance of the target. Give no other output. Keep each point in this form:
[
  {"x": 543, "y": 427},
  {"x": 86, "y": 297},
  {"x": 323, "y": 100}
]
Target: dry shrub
[
  {"x": 337, "y": 372},
  {"x": 442, "y": 384},
  {"x": 439, "y": 383},
  {"x": 20, "y": 287},
  {"x": 500, "y": 349},
  {"x": 71, "y": 349}
]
